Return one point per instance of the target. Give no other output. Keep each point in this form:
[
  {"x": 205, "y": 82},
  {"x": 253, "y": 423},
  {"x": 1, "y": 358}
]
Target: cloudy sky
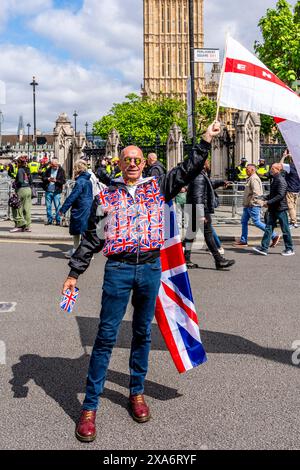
[{"x": 88, "y": 54}]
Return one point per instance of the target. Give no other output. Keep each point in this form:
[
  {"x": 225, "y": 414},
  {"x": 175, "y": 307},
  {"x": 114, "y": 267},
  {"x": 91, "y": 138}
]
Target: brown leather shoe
[
  {"x": 139, "y": 409},
  {"x": 86, "y": 427}
]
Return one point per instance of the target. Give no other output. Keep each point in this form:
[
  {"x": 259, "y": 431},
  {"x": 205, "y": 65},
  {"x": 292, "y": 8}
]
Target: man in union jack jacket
[{"x": 132, "y": 209}]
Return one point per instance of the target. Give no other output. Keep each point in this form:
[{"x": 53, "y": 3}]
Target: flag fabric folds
[
  {"x": 175, "y": 310},
  {"x": 290, "y": 132},
  {"x": 247, "y": 84}
]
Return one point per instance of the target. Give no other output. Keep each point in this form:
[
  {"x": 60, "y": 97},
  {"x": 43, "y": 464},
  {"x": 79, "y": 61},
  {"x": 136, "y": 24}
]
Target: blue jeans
[
  {"x": 119, "y": 280},
  {"x": 283, "y": 219},
  {"x": 252, "y": 213},
  {"x": 216, "y": 238},
  {"x": 53, "y": 196}
]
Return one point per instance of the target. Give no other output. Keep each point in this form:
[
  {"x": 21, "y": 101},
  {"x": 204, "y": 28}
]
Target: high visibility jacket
[
  {"x": 262, "y": 171},
  {"x": 242, "y": 175},
  {"x": 33, "y": 167},
  {"x": 12, "y": 170},
  {"x": 1, "y": 167},
  {"x": 108, "y": 169}
]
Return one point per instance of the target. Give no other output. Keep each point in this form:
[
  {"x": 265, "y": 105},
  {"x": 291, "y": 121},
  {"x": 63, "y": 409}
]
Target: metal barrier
[
  {"x": 231, "y": 203},
  {"x": 229, "y": 210},
  {"x": 5, "y": 192}
]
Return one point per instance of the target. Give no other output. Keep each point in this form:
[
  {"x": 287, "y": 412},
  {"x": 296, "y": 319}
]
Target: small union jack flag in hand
[{"x": 68, "y": 300}]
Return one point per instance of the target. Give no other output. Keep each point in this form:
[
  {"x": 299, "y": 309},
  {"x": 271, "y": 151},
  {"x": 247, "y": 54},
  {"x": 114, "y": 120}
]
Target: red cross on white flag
[{"x": 247, "y": 84}]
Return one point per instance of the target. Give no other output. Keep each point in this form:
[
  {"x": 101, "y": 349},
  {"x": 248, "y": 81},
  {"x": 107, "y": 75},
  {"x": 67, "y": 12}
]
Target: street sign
[{"x": 207, "y": 55}]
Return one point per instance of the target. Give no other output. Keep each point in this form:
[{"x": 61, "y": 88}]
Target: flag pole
[{"x": 222, "y": 78}]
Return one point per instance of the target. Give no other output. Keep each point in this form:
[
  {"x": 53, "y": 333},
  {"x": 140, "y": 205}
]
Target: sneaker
[
  {"x": 291, "y": 226},
  {"x": 70, "y": 253},
  {"x": 296, "y": 226},
  {"x": 275, "y": 241},
  {"x": 260, "y": 250},
  {"x": 26, "y": 229},
  {"x": 16, "y": 229},
  {"x": 288, "y": 253},
  {"x": 221, "y": 250},
  {"x": 240, "y": 243}
]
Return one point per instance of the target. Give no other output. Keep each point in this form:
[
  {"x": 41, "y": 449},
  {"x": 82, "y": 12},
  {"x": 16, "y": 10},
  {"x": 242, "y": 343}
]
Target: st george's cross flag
[
  {"x": 247, "y": 84},
  {"x": 175, "y": 310}
]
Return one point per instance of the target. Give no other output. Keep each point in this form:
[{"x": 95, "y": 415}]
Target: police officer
[
  {"x": 241, "y": 173},
  {"x": 34, "y": 166},
  {"x": 262, "y": 169}
]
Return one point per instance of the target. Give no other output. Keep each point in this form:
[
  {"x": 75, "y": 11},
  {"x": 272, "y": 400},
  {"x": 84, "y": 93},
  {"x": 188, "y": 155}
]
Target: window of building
[
  {"x": 163, "y": 62},
  {"x": 179, "y": 20},
  {"x": 185, "y": 61},
  {"x": 168, "y": 18},
  {"x": 185, "y": 19},
  {"x": 162, "y": 17},
  {"x": 169, "y": 61},
  {"x": 179, "y": 61}
]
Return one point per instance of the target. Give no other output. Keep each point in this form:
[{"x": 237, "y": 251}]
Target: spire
[{"x": 21, "y": 131}]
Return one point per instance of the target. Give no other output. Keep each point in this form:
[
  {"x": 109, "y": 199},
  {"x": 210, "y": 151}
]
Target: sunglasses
[{"x": 137, "y": 161}]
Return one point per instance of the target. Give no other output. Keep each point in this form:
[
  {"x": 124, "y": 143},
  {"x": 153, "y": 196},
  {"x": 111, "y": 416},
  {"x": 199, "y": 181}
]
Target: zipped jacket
[{"x": 132, "y": 230}]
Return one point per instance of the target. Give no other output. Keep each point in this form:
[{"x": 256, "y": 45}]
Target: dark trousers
[
  {"x": 283, "y": 220},
  {"x": 208, "y": 236}
]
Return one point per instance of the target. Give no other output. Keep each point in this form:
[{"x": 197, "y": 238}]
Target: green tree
[
  {"x": 280, "y": 50},
  {"x": 142, "y": 118}
]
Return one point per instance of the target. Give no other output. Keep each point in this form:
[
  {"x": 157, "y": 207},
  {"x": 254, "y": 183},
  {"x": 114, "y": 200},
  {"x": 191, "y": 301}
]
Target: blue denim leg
[
  {"x": 244, "y": 222},
  {"x": 119, "y": 279},
  {"x": 284, "y": 225},
  {"x": 271, "y": 222},
  {"x": 49, "y": 198},
  {"x": 144, "y": 297},
  {"x": 255, "y": 214},
  {"x": 57, "y": 205},
  {"x": 216, "y": 238}
]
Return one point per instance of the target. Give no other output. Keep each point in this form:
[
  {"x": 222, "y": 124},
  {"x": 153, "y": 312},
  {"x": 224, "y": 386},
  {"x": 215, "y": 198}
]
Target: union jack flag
[
  {"x": 175, "y": 310},
  {"x": 68, "y": 300}
]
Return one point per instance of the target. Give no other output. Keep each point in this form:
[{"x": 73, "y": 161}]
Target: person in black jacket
[
  {"x": 53, "y": 180},
  {"x": 132, "y": 212},
  {"x": 277, "y": 211},
  {"x": 202, "y": 199},
  {"x": 155, "y": 167}
]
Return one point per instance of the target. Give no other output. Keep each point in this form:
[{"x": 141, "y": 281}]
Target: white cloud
[
  {"x": 240, "y": 20},
  {"x": 104, "y": 40},
  {"x": 63, "y": 87},
  {"x": 9, "y": 8},
  {"x": 105, "y": 32}
]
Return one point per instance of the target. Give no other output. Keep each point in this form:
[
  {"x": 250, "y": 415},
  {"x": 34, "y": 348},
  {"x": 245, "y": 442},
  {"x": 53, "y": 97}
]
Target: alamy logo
[
  {"x": 2, "y": 353},
  {"x": 296, "y": 353}
]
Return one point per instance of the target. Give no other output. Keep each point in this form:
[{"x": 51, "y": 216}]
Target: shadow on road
[
  {"x": 225, "y": 343},
  {"x": 63, "y": 378},
  {"x": 60, "y": 253}
]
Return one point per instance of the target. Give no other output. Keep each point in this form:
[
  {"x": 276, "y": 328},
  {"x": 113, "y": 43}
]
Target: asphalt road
[{"x": 245, "y": 397}]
